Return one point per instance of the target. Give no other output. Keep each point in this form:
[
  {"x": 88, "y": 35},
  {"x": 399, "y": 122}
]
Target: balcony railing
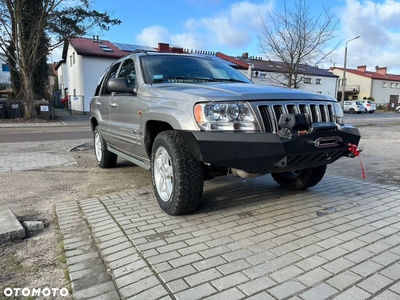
[{"x": 350, "y": 89}]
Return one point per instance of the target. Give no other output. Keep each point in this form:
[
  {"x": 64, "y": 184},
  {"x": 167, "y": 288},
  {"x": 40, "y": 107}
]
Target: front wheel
[
  {"x": 104, "y": 158},
  {"x": 352, "y": 110},
  {"x": 300, "y": 179},
  {"x": 177, "y": 176}
]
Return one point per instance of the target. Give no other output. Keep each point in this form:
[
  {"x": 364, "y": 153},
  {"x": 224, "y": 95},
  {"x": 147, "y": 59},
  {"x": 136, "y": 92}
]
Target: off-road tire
[
  {"x": 179, "y": 176},
  {"x": 104, "y": 158},
  {"x": 300, "y": 179}
]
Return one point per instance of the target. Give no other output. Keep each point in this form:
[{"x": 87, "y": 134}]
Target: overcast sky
[{"x": 233, "y": 27}]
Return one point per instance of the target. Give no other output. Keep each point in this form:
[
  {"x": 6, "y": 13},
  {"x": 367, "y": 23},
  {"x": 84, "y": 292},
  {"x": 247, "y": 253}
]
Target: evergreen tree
[{"x": 33, "y": 28}]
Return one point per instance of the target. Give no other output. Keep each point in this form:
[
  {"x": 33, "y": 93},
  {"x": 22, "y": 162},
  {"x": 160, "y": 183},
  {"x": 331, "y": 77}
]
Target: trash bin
[
  {"x": 14, "y": 109},
  {"x": 44, "y": 111},
  {"x": 3, "y": 114}
]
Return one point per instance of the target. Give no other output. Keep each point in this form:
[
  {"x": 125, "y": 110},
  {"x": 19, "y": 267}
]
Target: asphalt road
[
  {"x": 38, "y": 134},
  {"x": 376, "y": 118}
]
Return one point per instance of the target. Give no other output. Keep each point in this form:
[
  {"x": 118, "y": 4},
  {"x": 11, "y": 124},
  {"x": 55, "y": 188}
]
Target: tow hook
[{"x": 353, "y": 150}]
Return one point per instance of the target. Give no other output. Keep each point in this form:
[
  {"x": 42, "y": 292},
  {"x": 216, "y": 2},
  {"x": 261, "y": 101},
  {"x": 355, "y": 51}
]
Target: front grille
[{"x": 270, "y": 113}]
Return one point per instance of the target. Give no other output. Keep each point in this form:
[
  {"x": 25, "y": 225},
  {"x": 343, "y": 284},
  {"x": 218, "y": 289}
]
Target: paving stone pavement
[
  {"x": 250, "y": 239},
  {"x": 37, "y": 155}
]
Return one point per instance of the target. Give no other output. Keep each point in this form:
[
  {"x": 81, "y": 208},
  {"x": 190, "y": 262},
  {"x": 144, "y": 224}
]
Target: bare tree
[
  {"x": 296, "y": 39},
  {"x": 21, "y": 39}
]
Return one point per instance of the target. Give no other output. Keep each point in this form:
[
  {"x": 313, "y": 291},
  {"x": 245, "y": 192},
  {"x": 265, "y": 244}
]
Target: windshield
[{"x": 189, "y": 69}]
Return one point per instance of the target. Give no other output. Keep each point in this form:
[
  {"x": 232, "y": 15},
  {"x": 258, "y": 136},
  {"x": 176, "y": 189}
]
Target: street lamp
[{"x": 344, "y": 70}]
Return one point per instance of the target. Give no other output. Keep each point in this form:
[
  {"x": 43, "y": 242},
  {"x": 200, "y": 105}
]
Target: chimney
[
  {"x": 362, "y": 68},
  {"x": 381, "y": 70},
  {"x": 245, "y": 55},
  {"x": 163, "y": 47},
  {"x": 176, "y": 49}
]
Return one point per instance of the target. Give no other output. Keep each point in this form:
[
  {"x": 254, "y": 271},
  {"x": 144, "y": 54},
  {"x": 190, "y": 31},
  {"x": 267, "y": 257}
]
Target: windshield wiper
[{"x": 229, "y": 80}]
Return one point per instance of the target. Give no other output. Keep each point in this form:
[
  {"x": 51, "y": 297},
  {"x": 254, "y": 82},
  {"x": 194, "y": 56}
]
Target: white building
[
  {"x": 5, "y": 79},
  {"x": 84, "y": 61},
  {"x": 310, "y": 78},
  {"x": 379, "y": 84}
]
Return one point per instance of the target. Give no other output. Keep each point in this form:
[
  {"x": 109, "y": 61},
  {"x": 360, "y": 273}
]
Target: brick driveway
[{"x": 249, "y": 240}]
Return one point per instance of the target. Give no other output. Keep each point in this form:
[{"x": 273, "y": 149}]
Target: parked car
[
  {"x": 353, "y": 107},
  {"x": 398, "y": 109},
  {"x": 189, "y": 118},
  {"x": 369, "y": 106}
]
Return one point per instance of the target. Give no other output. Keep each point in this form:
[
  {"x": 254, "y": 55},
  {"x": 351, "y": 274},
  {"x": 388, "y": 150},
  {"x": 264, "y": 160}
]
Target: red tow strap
[{"x": 354, "y": 150}]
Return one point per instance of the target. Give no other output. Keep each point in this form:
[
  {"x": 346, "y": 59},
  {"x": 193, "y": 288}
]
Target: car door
[
  {"x": 101, "y": 101},
  {"x": 124, "y": 118}
]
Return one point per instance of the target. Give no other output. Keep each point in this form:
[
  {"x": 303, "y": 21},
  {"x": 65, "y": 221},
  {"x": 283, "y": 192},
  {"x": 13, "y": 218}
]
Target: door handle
[
  {"x": 113, "y": 104},
  {"x": 98, "y": 103}
]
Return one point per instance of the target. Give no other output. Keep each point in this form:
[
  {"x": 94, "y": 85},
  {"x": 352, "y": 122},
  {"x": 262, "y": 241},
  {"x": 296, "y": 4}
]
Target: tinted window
[
  {"x": 128, "y": 71},
  {"x": 111, "y": 74},
  {"x": 98, "y": 87}
]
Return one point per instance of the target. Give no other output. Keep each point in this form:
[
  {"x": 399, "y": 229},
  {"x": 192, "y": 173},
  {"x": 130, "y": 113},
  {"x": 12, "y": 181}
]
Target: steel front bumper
[{"x": 267, "y": 152}]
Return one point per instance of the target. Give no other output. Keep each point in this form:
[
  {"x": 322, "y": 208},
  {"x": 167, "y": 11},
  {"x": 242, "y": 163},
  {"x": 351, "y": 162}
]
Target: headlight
[
  {"x": 225, "y": 116},
  {"x": 338, "y": 114}
]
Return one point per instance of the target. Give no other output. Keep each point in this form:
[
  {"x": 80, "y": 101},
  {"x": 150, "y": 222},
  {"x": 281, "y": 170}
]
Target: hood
[{"x": 222, "y": 91}]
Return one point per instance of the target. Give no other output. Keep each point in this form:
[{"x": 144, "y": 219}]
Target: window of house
[
  {"x": 392, "y": 84},
  {"x": 73, "y": 57},
  {"x": 5, "y": 68},
  {"x": 397, "y": 85},
  {"x": 262, "y": 75},
  {"x": 318, "y": 81},
  {"x": 384, "y": 84},
  {"x": 70, "y": 60},
  {"x": 307, "y": 80}
]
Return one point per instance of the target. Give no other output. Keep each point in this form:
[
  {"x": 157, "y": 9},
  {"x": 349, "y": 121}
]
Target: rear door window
[{"x": 111, "y": 74}]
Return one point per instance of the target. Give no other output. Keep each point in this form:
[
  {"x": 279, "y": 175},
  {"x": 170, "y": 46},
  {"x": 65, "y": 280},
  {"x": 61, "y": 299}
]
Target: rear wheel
[
  {"x": 177, "y": 176},
  {"x": 104, "y": 158},
  {"x": 300, "y": 179}
]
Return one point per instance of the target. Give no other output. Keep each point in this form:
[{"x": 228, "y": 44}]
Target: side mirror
[{"x": 119, "y": 85}]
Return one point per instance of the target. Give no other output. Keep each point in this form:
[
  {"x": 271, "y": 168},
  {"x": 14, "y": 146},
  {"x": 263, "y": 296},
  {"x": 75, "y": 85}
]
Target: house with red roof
[
  {"x": 83, "y": 62},
  {"x": 384, "y": 87}
]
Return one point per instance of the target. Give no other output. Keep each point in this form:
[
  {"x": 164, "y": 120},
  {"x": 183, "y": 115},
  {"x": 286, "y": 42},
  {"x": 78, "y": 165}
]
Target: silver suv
[{"x": 189, "y": 118}]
